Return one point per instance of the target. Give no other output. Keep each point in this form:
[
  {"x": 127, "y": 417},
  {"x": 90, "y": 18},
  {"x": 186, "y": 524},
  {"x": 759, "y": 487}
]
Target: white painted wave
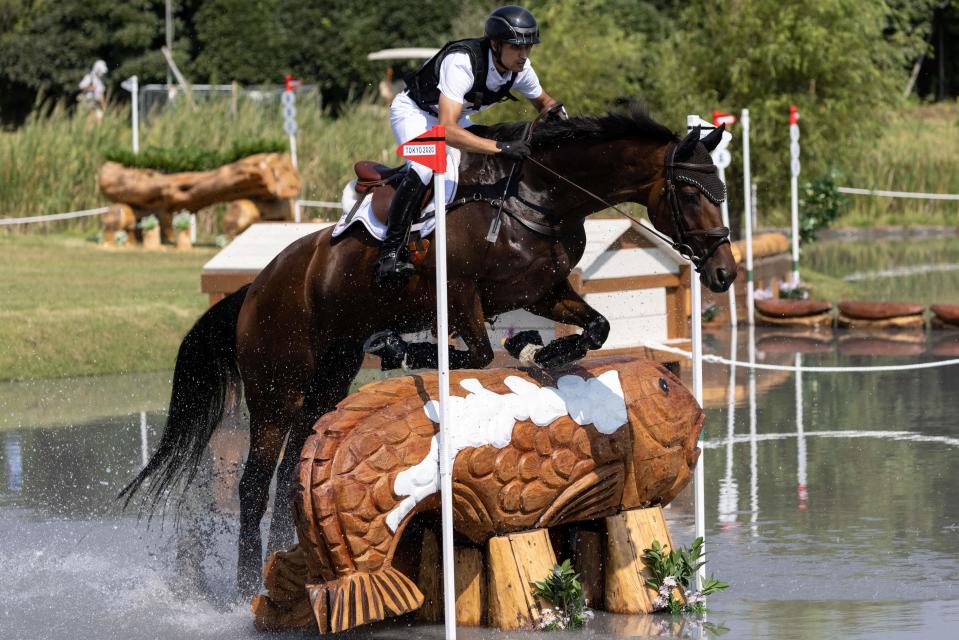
[{"x": 484, "y": 417}]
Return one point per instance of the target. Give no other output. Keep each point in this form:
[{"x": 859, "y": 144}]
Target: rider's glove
[
  {"x": 513, "y": 149},
  {"x": 559, "y": 114}
]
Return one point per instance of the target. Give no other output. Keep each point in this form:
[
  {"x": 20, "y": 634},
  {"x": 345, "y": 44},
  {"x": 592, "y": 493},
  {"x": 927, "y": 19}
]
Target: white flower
[{"x": 669, "y": 581}]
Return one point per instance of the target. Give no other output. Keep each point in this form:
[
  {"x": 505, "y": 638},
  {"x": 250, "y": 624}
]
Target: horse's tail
[{"x": 205, "y": 384}]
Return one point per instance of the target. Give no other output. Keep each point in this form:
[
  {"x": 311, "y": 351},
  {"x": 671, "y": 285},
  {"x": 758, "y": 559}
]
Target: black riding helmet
[{"x": 512, "y": 24}]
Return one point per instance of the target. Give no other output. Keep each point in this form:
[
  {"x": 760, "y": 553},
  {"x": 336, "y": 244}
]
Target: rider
[{"x": 463, "y": 78}]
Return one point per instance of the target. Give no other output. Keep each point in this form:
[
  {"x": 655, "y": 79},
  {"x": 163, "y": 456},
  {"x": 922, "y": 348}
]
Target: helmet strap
[{"x": 497, "y": 47}]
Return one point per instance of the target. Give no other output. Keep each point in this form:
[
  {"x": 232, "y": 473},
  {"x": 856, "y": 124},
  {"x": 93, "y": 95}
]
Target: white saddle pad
[{"x": 364, "y": 215}]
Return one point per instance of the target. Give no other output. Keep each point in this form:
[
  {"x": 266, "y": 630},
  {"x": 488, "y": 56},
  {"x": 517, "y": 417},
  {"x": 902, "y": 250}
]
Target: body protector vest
[{"x": 423, "y": 85}]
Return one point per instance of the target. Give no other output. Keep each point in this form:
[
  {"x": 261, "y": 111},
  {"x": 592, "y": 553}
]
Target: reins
[{"x": 681, "y": 246}]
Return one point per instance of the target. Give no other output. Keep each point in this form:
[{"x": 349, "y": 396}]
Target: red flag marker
[
  {"x": 793, "y": 114},
  {"x": 720, "y": 118},
  {"x": 427, "y": 149}
]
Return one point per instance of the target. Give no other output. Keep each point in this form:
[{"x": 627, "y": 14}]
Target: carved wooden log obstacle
[
  {"x": 945, "y": 316},
  {"x": 267, "y": 180},
  {"x": 796, "y": 313},
  {"x": 880, "y": 315},
  {"x": 533, "y": 450}
]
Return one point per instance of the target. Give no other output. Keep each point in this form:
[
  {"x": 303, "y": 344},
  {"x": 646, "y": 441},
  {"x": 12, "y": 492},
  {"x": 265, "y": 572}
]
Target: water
[{"x": 830, "y": 512}]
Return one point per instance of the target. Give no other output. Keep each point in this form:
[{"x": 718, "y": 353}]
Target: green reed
[
  {"x": 50, "y": 163},
  {"x": 917, "y": 151}
]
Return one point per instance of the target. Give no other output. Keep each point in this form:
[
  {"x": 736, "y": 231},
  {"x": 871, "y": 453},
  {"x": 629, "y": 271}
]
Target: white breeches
[{"x": 408, "y": 121}]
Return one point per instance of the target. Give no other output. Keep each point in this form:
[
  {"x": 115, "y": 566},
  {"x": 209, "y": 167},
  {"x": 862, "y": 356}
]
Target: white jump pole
[
  {"x": 697, "y": 339},
  {"x": 429, "y": 149},
  {"x": 800, "y": 437},
  {"x": 794, "y": 187},
  {"x": 722, "y": 159},
  {"x": 442, "y": 338},
  {"x": 748, "y": 218},
  {"x": 132, "y": 84},
  {"x": 288, "y": 100},
  {"x": 724, "y": 209},
  {"x": 753, "y": 449}
]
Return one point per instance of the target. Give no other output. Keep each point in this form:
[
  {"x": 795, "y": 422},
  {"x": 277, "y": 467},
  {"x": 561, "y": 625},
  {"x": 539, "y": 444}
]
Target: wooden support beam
[
  {"x": 470, "y": 578},
  {"x": 628, "y": 534},
  {"x": 516, "y": 560}
]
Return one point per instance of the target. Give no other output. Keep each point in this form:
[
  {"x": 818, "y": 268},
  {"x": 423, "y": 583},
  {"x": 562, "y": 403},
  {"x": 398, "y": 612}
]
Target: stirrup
[{"x": 391, "y": 271}]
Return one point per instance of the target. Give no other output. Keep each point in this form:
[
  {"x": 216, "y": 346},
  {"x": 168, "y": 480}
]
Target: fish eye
[{"x": 664, "y": 385}]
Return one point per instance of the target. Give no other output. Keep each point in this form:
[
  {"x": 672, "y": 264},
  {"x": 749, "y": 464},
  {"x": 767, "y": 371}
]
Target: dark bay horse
[{"x": 295, "y": 336}]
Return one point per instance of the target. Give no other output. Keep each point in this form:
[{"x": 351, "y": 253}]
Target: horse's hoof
[
  {"x": 561, "y": 351},
  {"x": 389, "y": 347},
  {"x": 514, "y": 345}
]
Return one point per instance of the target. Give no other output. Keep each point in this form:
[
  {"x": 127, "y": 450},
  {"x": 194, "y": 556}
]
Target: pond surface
[{"x": 830, "y": 505}]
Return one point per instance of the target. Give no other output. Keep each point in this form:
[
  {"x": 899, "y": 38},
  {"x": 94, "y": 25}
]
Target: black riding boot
[{"x": 391, "y": 269}]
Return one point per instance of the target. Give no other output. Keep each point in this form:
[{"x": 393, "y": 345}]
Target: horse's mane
[{"x": 632, "y": 122}]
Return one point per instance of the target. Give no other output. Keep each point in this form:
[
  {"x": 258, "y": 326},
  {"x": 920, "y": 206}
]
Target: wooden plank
[
  {"x": 629, "y": 262},
  {"x": 514, "y": 561},
  {"x": 629, "y": 532},
  {"x": 470, "y": 587},
  {"x": 629, "y": 283},
  {"x": 429, "y": 579},
  {"x": 225, "y": 282}
]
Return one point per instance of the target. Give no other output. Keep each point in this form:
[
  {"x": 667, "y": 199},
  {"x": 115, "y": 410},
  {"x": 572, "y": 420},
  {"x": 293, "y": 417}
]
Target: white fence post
[{"x": 794, "y": 187}]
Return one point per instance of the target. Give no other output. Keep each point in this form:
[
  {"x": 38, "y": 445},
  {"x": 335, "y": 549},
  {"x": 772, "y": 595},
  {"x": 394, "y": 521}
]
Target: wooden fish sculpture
[{"x": 532, "y": 449}]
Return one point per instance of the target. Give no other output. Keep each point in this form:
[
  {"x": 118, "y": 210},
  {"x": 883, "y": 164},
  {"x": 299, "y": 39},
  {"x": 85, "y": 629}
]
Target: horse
[{"x": 295, "y": 337}]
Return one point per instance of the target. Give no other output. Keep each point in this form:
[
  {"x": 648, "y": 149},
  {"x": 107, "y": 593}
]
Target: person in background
[{"x": 92, "y": 90}]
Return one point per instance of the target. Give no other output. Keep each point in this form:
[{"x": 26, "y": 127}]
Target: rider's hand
[
  {"x": 559, "y": 113},
  {"x": 513, "y": 149}
]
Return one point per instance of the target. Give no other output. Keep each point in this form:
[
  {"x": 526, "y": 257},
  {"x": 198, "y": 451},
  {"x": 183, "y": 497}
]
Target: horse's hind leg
[
  {"x": 334, "y": 374},
  {"x": 270, "y": 419}
]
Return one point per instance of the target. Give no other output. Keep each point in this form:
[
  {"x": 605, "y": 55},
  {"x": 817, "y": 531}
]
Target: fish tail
[
  {"x": 361, "y": 598},
  {"x": 286, "y": 604}
]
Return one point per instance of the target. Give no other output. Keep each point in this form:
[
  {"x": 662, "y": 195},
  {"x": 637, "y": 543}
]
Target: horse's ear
[
  {"x": 685, "y": 149},
  {"x": 714, "y": 137}
]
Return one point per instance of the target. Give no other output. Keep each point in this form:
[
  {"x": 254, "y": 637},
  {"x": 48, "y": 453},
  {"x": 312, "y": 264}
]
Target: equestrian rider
[{"x": 463, "y": 78}]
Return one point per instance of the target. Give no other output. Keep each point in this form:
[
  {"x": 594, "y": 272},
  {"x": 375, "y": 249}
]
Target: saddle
[{"x": 381, "y": 181}]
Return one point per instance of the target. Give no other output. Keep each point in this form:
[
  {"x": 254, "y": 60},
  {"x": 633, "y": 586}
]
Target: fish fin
[
  {"x": 285, "y": 605},
  {"x": 361, "y": 598},
  {"x": 596, "y": 494}
]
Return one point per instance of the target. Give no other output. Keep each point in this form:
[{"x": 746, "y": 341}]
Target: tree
[
  {"x": 47, "y": 46},
  {"x": 842, "y": 62},
  {"x": 328, "y": 41},
  {"x": 239, "y": 40}
]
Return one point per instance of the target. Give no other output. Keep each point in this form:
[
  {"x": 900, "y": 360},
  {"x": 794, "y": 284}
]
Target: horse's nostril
[{"x": 721, "y": 275}]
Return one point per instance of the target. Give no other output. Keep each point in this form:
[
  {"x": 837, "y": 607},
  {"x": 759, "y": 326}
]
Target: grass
[
  {"x": 73, "y": 309},
  {"x": 917, "y": 151}
]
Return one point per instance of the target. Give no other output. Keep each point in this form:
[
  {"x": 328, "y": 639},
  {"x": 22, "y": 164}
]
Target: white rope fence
[
  {"x": 54, "y": 216},
  {"x": 898, "y": 194},
  {"x": 321, "y": 204},
  {"x": 776, "y": 367},
  {"x": 324, "y": 204}
]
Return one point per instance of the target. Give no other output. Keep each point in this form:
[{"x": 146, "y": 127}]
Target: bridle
[
  {"x": 712, "y": 238},
  {"x": 717, "y": 235}
]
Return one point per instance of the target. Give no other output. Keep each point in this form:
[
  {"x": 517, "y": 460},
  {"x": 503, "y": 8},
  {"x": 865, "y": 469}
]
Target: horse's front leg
[
  {"x": 466, "y": 318},
  {"x": 560, "y": 304}
]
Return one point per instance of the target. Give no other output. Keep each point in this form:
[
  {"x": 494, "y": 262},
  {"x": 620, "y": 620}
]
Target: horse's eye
[
  {"x": 690, "y": 196},
  {"x": 664, "y": 385}
]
